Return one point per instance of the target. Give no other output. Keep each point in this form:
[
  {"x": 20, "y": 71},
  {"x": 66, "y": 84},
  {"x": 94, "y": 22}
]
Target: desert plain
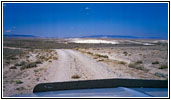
[{"x": 30, "y": 61}]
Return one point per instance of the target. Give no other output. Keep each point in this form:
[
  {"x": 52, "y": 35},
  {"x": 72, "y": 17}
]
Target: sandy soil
[
  {"x": 70, "y": 66},
  {"x": 17, "y": 81},
  {"x": 60, "y": 65},
  {"x": 119, "y": 59},
  {"x": 72, "y": 63}
]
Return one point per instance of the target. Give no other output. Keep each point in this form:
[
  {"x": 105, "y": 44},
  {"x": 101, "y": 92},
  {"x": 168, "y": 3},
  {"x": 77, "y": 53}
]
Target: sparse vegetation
[
  {"x": 137, "y": 66},
  {"x": 40, "y": 44},
  {"x": 20, "y": 88},
  {"x": 29, "y": 65},
  {"x": 125, "y": 53},
  {"x": 161, "y": 75},
  {"x": 75, "y": 76},
  {"x": 103, "y": 56},
  {"x": 156, "y": 62},
  {"x": 35, "y": 70},
  {"x": 19, "y": 82},
  {"x": 95, "y": 57},
  {"x": 10, "y": 54},
  {"x": 22, "y": 63},
  {"x": 90, "y": 53},
  {"x": 55, "y": 58},
  {"x": 139, "y": 62},
  {"x": 13, "y": 67},
  {"x": 38, "y": 62},
  {"x": 41, "y": 50},
  {"x": 27, "y": 56},
  {"x": 100, "y": 60},
  {"x": 163, "y": 67},
  {"x": 122, "y": 62}
]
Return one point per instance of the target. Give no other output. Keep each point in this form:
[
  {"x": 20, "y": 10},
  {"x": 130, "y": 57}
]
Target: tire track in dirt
[{"x": 71, "y": 63}]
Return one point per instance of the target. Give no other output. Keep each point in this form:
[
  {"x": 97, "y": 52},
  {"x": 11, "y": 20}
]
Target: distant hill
[
  {"x": 109, "y": 36},
  {"x": 121, "y": 37},
  {"x": 19, "y": 36}
]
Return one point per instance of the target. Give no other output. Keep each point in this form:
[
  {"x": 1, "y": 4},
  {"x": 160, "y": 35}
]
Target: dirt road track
[{"x": 72, "y": 62}]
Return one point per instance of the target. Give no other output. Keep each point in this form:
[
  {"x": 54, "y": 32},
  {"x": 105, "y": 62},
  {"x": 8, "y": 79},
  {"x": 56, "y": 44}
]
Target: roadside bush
[
  {"x": 156, "y": 62},
  {"x": 19, "y": 82},
  {"x": 54, "y": 58},
  {"x": 160, "y": 74},
  {"x": 104, "y": 56},
  {"x": 75, "y": 76},
  {"x": 38, "y": 62},
  {"x": 21, "y": 63},
  {"x": 136, "y": 66},
  {"x": 20, "y": 88},
  {"x": 163, "y": 67},
  {"x": 27, "y": 56},
  {"x": 29, "y": 65},
  {"x": 13, "y": 67},
  {"x": 90, "y": 53},
  {"x": 101, "y": 60},
  {"x": 41, "y": 57},
  {"x": 16, "y": 64},
  {"x": 125, "y": 53},
  {"x": 139, "y": 62},
  {"x": 95, "y": 57},
  {"x": 122, "y": 62}
]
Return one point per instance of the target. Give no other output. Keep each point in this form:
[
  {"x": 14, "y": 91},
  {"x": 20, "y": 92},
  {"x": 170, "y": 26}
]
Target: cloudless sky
[{"x": 84, "y": 19}]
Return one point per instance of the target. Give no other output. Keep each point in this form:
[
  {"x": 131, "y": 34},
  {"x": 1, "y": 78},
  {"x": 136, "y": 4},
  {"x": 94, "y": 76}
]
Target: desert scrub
[
  {"x": 18, "y": 82},
  {"x": 125, "y": 53},
  {"x": 75, "y": 76},
  {"x": 104, "y": 56},
  {"x": 156, "y": 62},
  {"x": 76, "y": 48},
  {"x": 95, "y": 57},
  {"x": 42, "y": 57},
  {"x": 161, "y": 75},
  {"x": 163, "y": 67},
  {"x": 21, "y": 63},
  {"x": 100, "y": 60},
  {"x": 38, "y": 62},
  {"x": 20, "y": 88},
  {"x": 27, "y": 56},
  {"x": 90, "y": 53},
  {"x": 122, "y": 62},
  {"x": 10, "y": 54},
  {"x": 54, "y": 58},
  {"x": 136, "y": 66},
  {"x": 36, "y": 71},
  {"x": 13, "y": 67},
  {"x": 29, "y": 65},
  {"x": 139, "y": 62}
]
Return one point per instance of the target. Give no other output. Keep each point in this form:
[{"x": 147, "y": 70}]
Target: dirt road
[{"x": 72, "y": 63}]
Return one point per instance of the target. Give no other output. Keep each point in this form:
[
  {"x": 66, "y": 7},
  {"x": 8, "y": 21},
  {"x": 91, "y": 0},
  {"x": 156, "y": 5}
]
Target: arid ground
[{"x": 27, "y": 62}]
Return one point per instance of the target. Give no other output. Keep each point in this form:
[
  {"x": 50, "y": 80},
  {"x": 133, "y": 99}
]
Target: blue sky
[{"x": 83, "y": 19}]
